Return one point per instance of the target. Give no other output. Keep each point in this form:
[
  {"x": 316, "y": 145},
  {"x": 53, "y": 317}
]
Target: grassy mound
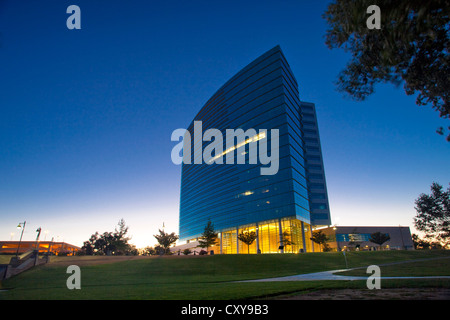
[{"x": 196, "y": 277}]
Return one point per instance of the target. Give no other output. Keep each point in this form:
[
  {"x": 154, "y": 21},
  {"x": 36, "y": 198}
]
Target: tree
[
  {"x": 433, "y": 213},
  {"x": 89, "y": 246},
  {"x": 209, "y": 236},
  {"x": 165, "y": 240},
  {"x": 148, "y": 251},
  {"x": 412, "y": 47},
  {"x": 105, "y": 244},
  {"x": 108, "y": 243},
  {"x": 248, "y": 238},
  {"x": 379, "y": 238},
  {"x": 120, "y": 241},
  {"x": 420, "y": 243},
  {"x": 286, "y": 239},
  {"x": 321, "y": 239}
]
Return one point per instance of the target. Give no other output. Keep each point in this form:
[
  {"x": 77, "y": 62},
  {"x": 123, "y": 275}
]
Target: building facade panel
[
  {"x": 318, "y": 195},
  {"x": 358, "y": 238}
]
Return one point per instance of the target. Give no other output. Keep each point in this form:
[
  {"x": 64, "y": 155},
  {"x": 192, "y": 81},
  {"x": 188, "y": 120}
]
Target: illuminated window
[{"x": 255, "y": 138}]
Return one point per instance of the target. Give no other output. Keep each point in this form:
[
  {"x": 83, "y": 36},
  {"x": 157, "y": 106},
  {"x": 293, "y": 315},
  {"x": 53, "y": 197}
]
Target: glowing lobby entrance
[{"x": 287, "y": 235}]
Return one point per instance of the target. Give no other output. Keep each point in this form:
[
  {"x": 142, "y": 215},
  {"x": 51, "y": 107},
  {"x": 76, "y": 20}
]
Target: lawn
[
  {"x": 4, "y": 259},
  {"x": 431, "y": 267},
  {"x": 203, "y": 277}
]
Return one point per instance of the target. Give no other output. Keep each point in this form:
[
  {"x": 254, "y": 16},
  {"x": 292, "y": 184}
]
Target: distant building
[
  {"x": 358, "y": 238},
  {"x": 10, "y": 247}
]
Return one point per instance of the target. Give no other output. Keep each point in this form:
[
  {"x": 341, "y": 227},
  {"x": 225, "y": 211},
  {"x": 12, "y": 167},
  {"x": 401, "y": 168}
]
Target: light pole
[
  {"x": 21, "y": 225},
  {"x": 345, "y": 257},
  {"x": 37, "y": 238}
]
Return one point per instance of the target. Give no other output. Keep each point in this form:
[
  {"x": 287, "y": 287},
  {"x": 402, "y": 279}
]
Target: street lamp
[
  {"x": 37, "y": 238},
  {"x": 21, "y": 225}
]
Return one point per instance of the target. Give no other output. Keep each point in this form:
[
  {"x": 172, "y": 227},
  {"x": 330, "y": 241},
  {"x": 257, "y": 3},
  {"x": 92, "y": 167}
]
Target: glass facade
[
  {"x": 237, "y": 197},
  {"x": 271, "y": 236},
  {"x": 318, "y": 196},
  {"x": 344, "y": 237}
]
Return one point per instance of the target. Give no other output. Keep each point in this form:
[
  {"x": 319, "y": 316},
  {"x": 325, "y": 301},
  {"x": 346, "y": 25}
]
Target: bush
[
  {"x": 64, "y": 253},
  {"x": 80, "y": 252}
]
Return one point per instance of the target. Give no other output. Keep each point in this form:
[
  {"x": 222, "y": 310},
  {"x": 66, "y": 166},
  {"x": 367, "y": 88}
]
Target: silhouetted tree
[
  {"x": 248, "y": 238},
  {"x": 148, "y": 251},
  {"x": 165, "y": 240},
  {"x": 379, "y": 238},
  {"x": 209, "y": 236},
  {"x": 115, "y": 243},
  {"x": 433, "y": 213},
  {"x": 286, "y": 239},
  {"x": 412, "y": 47},
  {"x": 89, "y": 246},
  {"x": 321, "y": 239}
]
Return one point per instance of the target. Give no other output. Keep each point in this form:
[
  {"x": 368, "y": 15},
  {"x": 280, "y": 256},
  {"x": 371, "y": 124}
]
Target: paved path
[{"x": 330, "y": 275}]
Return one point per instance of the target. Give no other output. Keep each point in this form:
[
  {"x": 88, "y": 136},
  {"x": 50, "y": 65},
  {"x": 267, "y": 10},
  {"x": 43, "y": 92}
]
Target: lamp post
[
  {"x": 21, "y": 225},
  {"x": 37, "y": 238}
]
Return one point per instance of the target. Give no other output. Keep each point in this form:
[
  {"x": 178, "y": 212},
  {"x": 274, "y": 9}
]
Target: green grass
[
  {"x": 432, "y": 267},
  {"x": 203, "y": 277},
  {"x": 4, "y": 259}
]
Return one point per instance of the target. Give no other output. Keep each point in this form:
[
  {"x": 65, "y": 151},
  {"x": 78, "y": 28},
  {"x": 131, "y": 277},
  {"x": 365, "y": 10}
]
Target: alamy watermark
[
  {"x": 74, "y": 280},
  {"x": 74, "y": 20},
  {"x": 374, "y": 280},
  {"x": 374, "y": 21},
  {"x": 236, "y": 140}
]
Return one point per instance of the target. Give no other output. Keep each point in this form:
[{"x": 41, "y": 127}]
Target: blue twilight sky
[{"x": 86, "y": 115}]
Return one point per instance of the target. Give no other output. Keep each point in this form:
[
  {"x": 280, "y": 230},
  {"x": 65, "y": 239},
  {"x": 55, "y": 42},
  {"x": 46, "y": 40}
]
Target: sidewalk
[{"x": 330, "y": 275}]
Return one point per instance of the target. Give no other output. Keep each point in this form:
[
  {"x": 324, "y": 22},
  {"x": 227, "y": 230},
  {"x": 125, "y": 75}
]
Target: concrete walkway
[
  {"x": 325, "y": 275},
  {"x": 330, "y": 275}
]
